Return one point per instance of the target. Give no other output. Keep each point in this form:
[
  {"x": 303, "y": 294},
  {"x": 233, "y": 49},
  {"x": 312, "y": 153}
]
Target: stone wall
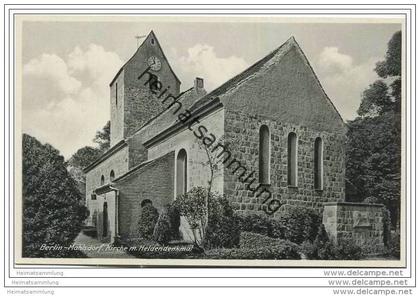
[
  {"x": 153, "y": 181},
  {"x": 242, "y": 132},
  {"x": 361, "y": 223}
]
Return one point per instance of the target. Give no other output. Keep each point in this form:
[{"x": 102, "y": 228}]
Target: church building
[{"x": 272, "y": 129}]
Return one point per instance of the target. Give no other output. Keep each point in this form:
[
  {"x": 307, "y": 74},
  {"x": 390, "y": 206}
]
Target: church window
[
  {"x": 181, "y": 172},
  {"x": 264, "y": 155},
  {"x": 318, "y": 164},
  {"x": 292, "y": 160},
  {"x": 102, "y": 180},
  {"x": 112, "y": 176}
]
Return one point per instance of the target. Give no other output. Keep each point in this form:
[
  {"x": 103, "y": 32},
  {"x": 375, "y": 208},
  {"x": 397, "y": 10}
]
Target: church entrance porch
[{"x": 106, "y": 216}]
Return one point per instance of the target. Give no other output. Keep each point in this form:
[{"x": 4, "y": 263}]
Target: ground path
[{"x": 96, "y": 249}]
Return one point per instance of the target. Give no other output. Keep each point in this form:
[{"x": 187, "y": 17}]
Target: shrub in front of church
[
  {"x": 147, "y": 221},
  {"x": 162, "y": 232},
  {"x": 393, "y": 248},
  {"x": 192, "y": 206},
  {"x": 261, "y": 223},
  {"x": 249, "y": 240},
  {"x": 283, "y": 250},
  {"x": 174, "y": 222},
  {"x": 223, "y": 225},
  {"x": 300, "y": 224},
  {"x": 257, "y": 223},
  {"x": 322, "y": 248},
  {"x": 346, "y": 249}
]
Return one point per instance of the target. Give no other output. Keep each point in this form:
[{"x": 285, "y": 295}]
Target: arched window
[
  {"x": 292, "y": 160},
  {"x": 102, "y": 180},
  {"x": 112, "y": 175},
  {"x": 264, "y": 155},
  {"x": 318, "y": 164},
  {"x": 181, "y": 172}
]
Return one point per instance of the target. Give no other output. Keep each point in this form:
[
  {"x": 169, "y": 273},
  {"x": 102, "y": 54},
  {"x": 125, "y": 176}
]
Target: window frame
[
  {"x": 319, "y": 164},
  {"x": 292, "y": 160},
  {"x": 264, "y": 165}
]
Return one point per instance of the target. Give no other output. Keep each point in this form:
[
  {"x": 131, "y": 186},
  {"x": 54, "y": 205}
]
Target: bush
[
  {"x": 191, "y": 205},
  {"x": 321, "y": 249},
  {"x": 174, "y": 221},
  {"x": 223, "y": 225},
  {"x": 387, "y": 227},
  {"x": 300, "y": 224},
  {"x": 147, "y": 221},
  {"x": 53, "y": 213},
  {"x": 249, "y": 240},
  {"x": 256, "y": 223},
  {"x": 394, "y": 245},
  {"x": 346, "y": 249},
  {"x": 280, "y": 251},
  {"x": 162, "y": 231}
]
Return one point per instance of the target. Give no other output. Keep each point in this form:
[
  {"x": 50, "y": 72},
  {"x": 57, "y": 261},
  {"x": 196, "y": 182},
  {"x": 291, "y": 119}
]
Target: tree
[
  {"x": 213, "y": 163},
  {"x": 52, "y": 209},
  {"x": 102, "y": 137},
  {"x": 86, "y": 155},
  {"x": 374, "y": 138},
  {"x": 78, "y": 161}
]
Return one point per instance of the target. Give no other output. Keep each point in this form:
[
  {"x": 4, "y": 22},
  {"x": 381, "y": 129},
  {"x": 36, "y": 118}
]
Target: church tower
[{"x": 134, "y": 101}]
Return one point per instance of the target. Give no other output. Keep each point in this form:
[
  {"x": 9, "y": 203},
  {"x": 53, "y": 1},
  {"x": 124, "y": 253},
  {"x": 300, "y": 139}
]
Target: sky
[{"x": 67, "y": 65}]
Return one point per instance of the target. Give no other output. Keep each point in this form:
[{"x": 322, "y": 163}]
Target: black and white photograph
[{"x": 211, "y": 141}]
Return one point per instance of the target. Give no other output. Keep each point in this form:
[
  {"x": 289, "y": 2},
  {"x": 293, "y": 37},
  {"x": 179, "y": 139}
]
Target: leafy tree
[
  {"x": 102, "y": 137},
  {"x": 52, "y": 209},
  {"x": 86, "y": 155},
  {"x": 374, "y": 138}
]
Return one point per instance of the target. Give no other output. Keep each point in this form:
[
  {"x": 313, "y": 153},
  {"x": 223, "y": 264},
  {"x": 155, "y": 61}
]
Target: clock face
[{"x": 154, "y": 63}]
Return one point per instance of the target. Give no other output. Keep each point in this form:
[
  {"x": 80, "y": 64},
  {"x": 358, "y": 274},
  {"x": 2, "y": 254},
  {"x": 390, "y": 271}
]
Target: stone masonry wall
[
  {"x": 154, "y": 181},
  {"x": 361, "y": 223},
  {"x": 242, "y": 132}
]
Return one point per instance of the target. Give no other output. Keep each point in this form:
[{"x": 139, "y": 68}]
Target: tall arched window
[
  {"x": 318, "y": 164},
  {"x": 102, "y": 180},
  {"x": 112, "y": 175},
  {"x": 181, "y": 172},
  {"x": 292, "y": 160},
  {"x": 264, "y": 155}
]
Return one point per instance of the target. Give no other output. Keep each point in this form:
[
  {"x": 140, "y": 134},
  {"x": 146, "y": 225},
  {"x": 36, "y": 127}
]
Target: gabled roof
[
  {"x": 244, "y": 74},
  {"x": 150, "y": 35},
  {"x": 273, "y": 57}
]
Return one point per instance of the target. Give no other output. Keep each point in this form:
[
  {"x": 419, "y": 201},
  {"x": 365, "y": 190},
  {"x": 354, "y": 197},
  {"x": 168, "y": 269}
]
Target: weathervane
[{"x": 138, "y": 37}]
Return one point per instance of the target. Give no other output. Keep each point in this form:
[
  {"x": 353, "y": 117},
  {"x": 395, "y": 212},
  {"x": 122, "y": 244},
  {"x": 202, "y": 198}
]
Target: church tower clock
[{"x": 132, "y": 100}]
